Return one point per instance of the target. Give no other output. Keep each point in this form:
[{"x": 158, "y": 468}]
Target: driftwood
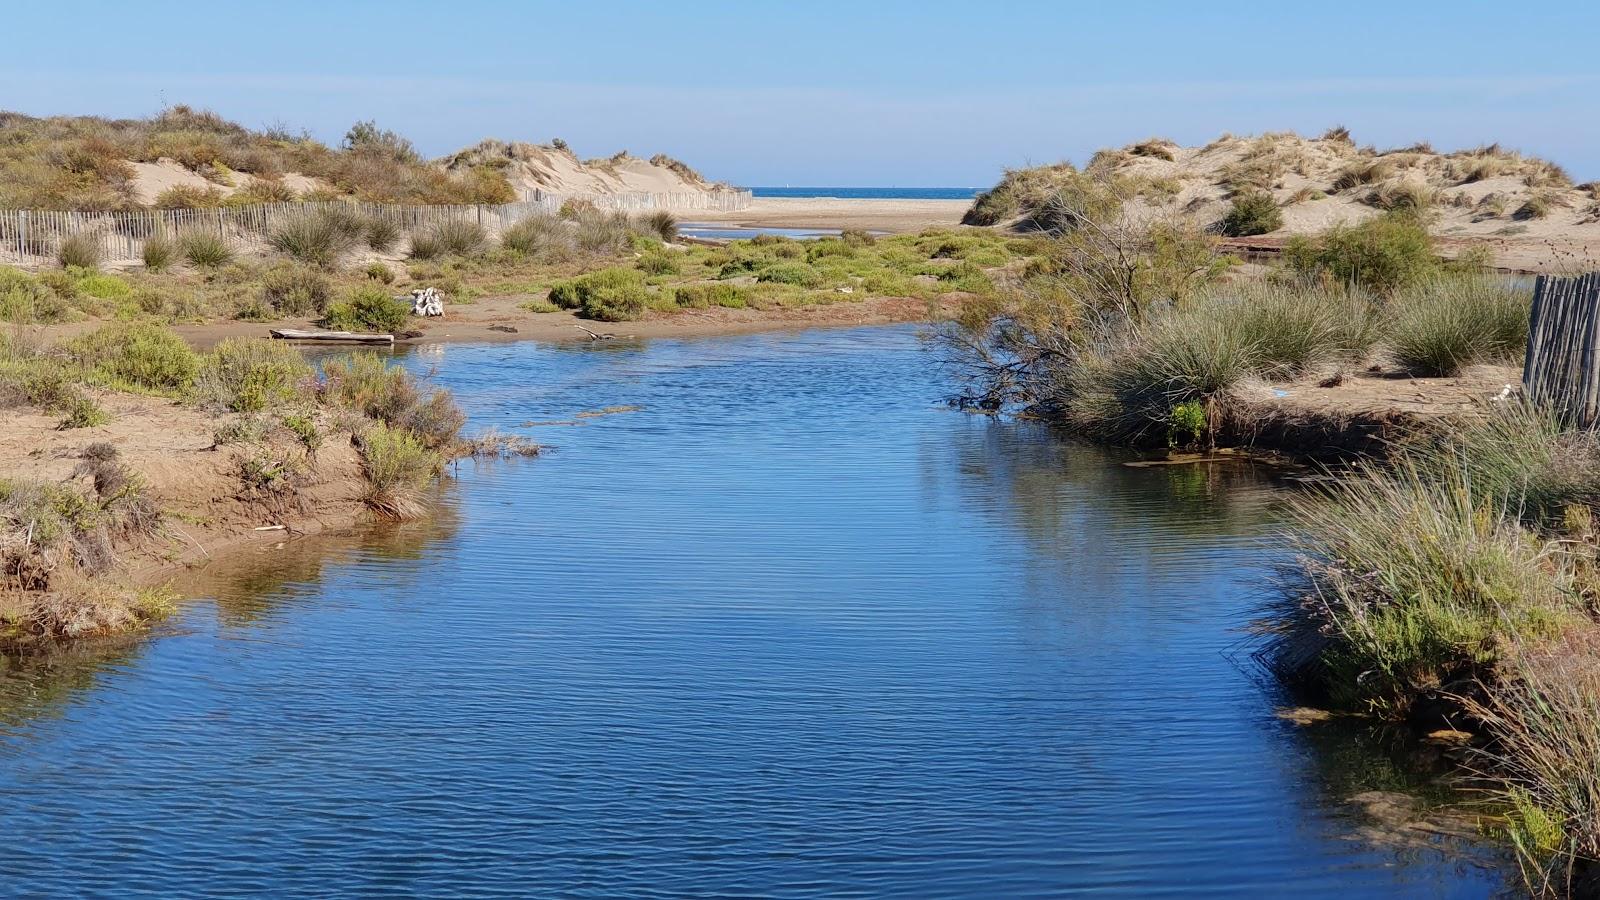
[
  {"x": 595, "y": 335},
  {"x": 294, "y": 334}
]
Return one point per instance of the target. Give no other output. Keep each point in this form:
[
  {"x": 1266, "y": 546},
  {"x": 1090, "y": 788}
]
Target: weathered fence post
[{"x": 1562, "y": 371}]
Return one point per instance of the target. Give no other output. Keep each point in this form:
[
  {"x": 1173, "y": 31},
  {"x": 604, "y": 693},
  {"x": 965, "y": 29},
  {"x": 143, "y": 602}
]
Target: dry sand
[{"x": 894, "y": 216}]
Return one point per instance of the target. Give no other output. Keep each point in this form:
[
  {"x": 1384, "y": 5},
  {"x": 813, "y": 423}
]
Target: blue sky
[{"x": 872, "y": 92}]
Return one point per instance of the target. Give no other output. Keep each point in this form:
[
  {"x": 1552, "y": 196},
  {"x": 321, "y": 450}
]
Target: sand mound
[
  {"x": 556, "y": 169},
  {"x": 1484, "y": 192}
]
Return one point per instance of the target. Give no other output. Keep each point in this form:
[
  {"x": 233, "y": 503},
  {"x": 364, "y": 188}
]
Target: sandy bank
[{"x": 895, "y": 216}]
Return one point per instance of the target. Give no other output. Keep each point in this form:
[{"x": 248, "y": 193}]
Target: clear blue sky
[{"x": 870, "y": 92}]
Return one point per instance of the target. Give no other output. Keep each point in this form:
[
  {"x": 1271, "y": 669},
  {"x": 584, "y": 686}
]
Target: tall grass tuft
[
  {"x": 544, "y": 238},
  {"x": 158, "y": 252},
  {"x": 81, "y": 250},
  {"x": 450, "y": 238},
  {"x": 661, "y": 224},
  {"x": 319, "y": 238},
  {"x": 381, "y": 234},
  {"x": 204, "y": 250},
  {"x": 1445, "y": 323}
]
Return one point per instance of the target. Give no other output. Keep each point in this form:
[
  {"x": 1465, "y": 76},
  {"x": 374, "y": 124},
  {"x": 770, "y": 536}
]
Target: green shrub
[
  {"x": 81, "y": 411},
  {"x": 1252, "y": 212},
  {"x": 82, "y": 250},
  {"x": 707, "y": 294},
  {"x": 158, "y": 252},
  {"x": 658, "y": 263},
  {"x": 398, "y": 468},
  {"x": 1442, "y": 324},
  {"x": 319, "y": 238},
  {"x": 204, "y": 249},
  {"x": 855, "y": 237},
  {"x": 1381, "y": 255},
  {"x": 609, "y": 295},
  {"x": 100, "y": 285},
  {"x": 248, "y": 375},
  {"x": 143, "y": 357},
  {"x": 389, "y": 394},
  {"x": 455, "y": 237},
  {"x": 292, "y": 290},
  {"x": 370, "y": 308},
  {"x": 798, "y": 274},
  {"x": 377, "y": 271}
]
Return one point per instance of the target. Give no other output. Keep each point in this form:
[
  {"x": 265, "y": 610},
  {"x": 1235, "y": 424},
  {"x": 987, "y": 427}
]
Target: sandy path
[{"x": 896, "y": 216}]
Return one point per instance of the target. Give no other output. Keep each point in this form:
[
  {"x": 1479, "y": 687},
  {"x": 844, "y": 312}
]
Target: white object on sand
[{"x": 427, "y": 302}]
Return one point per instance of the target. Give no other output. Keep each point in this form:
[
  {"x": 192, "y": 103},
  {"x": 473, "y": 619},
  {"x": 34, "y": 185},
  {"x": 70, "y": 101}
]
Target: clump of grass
[
  {"x": 456, "y": 237},
  {"x": 1381, "y": 255},
  {"x": 1404, "y": 194},
  {"x": 319, "y": 238},
  {"x": 82, "y": 250},
  {"x": 295, "y": 290},
  {"x": 540, "y": 306},
  {"x": 137, "y": 356},
  {"x": 1538, "y": 206},
  {"x": 660, "y": 224},
  {"x": 183, "y": 196},
  {"x": 1294, "y": 329},
  {"x": 1445, "y": 323},
  {"x": 1410, "y": 583},
  {"x": 204, "y": 250},
  {"x": 1252, "y": 212},
  {"x": 603, "y": 234},
  {"x": 491, "y": 443},
  {"x": 1545, "y": 756},
  {"x": 381, "y": 234},
  {"x": 609, "y": 295},
  {"x": 245, "y": 375},
  {"x": 377, "y": 271},
  {"x": 545, "y": 238},
  {"x": 158, "y": 252},
  {"x": 398, "y": 469},
  {"x": 369, "y": 308}
]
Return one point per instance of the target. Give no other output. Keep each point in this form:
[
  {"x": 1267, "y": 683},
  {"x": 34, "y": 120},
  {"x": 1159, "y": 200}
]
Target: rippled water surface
[{"x": 787, "y": 628}]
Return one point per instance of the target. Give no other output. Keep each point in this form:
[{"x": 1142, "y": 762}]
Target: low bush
[
  {"x": 82, "y": 411},
  {"x": 295, "y": 290},
  {"x": 204, "y": 249},
  {"x": 658, "y": 262},
  {"x": 138, "y": 357},
  {"x": 247, "y": 375},
  {"x": 1444, "y": 323},
  {"x": 1252, "y": 212},
  {"x": 398, "y": 469},
  {"x": 377, "y": 271},
  {"x": 1381, "y": 255},
  {"x": 389, "y": 394},
  {"x": 609, "y": 295},
  {"x": 369, "y": 308},
  {"x": 798, "y": 274},
  {"x": 712, "y": 293},
  {"x": 82, "y": 251}
]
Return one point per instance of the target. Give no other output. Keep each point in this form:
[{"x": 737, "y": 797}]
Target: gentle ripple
[{"x": 788, "y": 629}]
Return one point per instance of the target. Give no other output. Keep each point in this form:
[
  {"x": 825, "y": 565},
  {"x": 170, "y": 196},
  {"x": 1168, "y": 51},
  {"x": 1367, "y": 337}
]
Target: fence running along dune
[
  {"x": 1562, "y": 371},
  {"x": 33, "y": 236}
]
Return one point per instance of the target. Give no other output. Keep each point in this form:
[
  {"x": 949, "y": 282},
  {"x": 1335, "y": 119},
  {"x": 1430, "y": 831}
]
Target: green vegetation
[
  {"x": 451, "y": 238},
  {"x": 1381, "y": 255},
  {"x": 81, "y": 251},
  {"x": 368, "y": 308},
  {"x": 81, "y": 162},
  {"x": 321, "y": 237},
  {"x": 291, "y": 290},
  {"x": 1252, "y": 212},
  {"x": 158, "y": 252},
  {"x": 1442, "y": 324},
  {"x": 609, "y": 295},
  {"x": 398, "y": 468},
  {"x": 136, "y": 357},
  {"x": 204, "y": 250}
]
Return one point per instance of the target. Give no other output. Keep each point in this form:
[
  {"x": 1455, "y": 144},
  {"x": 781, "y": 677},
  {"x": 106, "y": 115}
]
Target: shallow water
[
  {"x": 711, "y": 232},
  {"x": 788, "y": 628}
]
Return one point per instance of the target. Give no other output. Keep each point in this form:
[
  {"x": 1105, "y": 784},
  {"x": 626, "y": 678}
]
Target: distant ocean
[{"x": 870, "y": 193}]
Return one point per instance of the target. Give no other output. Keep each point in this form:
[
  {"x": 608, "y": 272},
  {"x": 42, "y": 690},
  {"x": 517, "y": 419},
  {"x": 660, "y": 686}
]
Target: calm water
[
  {"x": 871, "y": 193},
  {"x": 712, "y": 232},
  {"x": 789, "y": 628}
]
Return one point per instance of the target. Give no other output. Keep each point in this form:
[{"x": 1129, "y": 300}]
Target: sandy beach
[{"x": 895, "y": 216}]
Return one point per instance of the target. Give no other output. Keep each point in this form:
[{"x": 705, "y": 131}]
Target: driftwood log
[{"x": 355, "y": 337}]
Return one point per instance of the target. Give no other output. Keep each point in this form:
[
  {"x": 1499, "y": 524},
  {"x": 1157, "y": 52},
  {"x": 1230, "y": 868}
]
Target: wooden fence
[
  {"x": 33, "y": 236},
  {"x": 1562, "y": 371}
]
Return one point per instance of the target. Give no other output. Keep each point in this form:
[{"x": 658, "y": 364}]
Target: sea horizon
[{"x": 870, "y": 193}]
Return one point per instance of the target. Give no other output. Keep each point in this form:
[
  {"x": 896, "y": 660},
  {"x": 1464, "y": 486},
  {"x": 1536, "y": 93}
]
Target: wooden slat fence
[
  {"x": 1562, "y": 371},
  {"x": 32, "y": 236}
]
